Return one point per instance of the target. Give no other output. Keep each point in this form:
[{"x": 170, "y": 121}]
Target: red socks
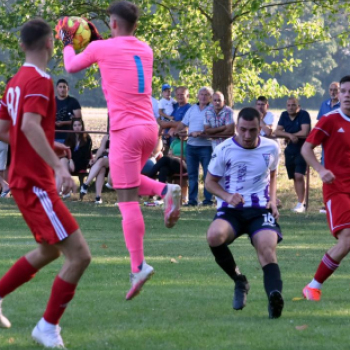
[
  {"x": 326, "y": 268},
  {"x": 20, "y": 272},
  {"x": 61, "y": 294},
  {"x": 134, "y": 230}
]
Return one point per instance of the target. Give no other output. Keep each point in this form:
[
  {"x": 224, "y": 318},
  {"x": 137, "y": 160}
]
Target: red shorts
[
  {"x": 128, "y": 152},
  {"x": 44, "y": 212},
  {"x": 338, "y": 212}
]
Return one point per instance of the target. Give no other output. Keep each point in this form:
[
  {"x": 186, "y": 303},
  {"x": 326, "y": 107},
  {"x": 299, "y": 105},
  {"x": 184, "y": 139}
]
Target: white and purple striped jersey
[{"x": 245, "y": 171}]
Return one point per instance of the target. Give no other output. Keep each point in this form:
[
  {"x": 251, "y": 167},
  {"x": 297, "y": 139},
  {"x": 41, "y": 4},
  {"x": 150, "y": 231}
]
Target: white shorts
[{"x": 3, "y": 155}]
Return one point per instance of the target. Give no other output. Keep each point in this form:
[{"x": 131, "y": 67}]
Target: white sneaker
[
  {"x": 50, "y": 338},
  {"x": 4, "y": 322},
  {"x": 172, "y": 205},
  {"x": 109, "y": 186},
  {"x": 299, "y": 208},
  {"x": 67, "y": 195},
  {"x": 139, "y": 279},
  {"x": 98, "y": 201}
]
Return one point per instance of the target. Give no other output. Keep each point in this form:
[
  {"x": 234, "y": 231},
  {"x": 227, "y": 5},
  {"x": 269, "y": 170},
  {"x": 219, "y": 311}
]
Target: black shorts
[
  {"x": 295, "y": 163},
  {"x": 249, "y": 220}
]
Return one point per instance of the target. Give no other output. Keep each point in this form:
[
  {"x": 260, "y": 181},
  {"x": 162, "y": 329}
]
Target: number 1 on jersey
[{"x": 140, "y": 74}]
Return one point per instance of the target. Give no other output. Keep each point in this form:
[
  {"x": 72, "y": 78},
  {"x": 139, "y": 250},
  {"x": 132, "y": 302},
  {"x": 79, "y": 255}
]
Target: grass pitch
[{"x": 187, "y": 304}]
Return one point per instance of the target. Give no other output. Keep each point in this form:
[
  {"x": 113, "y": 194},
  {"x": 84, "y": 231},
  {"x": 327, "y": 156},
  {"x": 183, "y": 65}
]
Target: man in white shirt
[
  {"x": 242, "y": 176},
  {"x": 268, "y": 118}
]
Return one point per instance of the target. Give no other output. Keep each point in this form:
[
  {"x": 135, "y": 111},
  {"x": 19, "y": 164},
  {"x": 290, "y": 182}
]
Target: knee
[
  {"x": 298, "y": 177},
  {"x": 216, "y": 238}
]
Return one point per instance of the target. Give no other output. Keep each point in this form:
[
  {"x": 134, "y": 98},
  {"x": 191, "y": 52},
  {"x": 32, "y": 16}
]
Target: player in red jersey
[
  {"x": 332, "y": 131},
  {"x": 27, "y": 122}
]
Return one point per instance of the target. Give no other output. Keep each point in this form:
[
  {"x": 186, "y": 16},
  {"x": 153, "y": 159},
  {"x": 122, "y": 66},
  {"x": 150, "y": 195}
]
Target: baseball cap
[{"x": 165, "y": 87}]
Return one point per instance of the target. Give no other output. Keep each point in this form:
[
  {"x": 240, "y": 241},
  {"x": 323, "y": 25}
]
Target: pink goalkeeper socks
[
  {"x": 134, "y": 230},
  {"x": 150, "y": 187}
]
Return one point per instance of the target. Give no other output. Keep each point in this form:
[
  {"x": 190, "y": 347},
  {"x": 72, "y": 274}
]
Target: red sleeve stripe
[
  {"x": 322, "y": 130},
  {"x": 30, "y": 95}
]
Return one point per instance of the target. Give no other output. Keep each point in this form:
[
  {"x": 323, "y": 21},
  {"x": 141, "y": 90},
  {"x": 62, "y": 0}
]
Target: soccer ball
[{"x": 82, "y": 35}]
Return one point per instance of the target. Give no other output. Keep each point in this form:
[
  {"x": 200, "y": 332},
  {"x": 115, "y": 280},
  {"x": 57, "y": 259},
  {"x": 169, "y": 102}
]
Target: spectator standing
[
  {"x": 332, "y": 103},
  {"x": 267, "y": 119},
  {"x": 67, "y": 107},
  {"x": 218, "y": 119},
  {"x": 198, "y": 150},
  {"x": 294, "y": 125}
]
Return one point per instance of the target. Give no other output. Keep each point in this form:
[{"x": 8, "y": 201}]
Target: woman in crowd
[{"x": 99, "y": 166}]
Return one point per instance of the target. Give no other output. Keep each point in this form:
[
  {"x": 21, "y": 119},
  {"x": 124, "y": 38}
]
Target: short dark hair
[
  {"x": 345, "y": 79},
  {"x": 249, "y": 114},
  {"x": 64, "y": 81},
  {"x": 127, "y": 13},
  {"x": 34, "y": 34},
  {"x": 262, "y": 99}
]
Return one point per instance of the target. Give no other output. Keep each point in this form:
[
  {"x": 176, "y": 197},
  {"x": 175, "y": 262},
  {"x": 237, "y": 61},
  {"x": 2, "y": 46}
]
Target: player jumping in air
[
  {"x": 242, "y": 174},
  {"x": 126, "y": 68},
  {"x": 27, "y": 122},
  {"x": 332, "y": 131}
]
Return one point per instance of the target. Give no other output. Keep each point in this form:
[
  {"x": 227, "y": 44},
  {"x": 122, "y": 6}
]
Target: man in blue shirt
[
  {"x": 332, "y": 103},
  {"x": 294, "y": 125}
]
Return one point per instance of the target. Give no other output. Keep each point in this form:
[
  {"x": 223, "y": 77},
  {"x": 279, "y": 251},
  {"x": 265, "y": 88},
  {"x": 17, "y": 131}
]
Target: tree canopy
[{"x": 238, "y": 47}]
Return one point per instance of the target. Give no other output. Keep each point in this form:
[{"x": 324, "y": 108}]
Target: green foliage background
[{"x": 278, "y": 47}]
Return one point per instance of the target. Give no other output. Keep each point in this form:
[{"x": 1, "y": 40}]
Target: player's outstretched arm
[
  {"x": 31, "y": 127},
  {"x": 213, "y": 186},
  {"x": 4, "y": 131},
  {"x": 308, "y": 153}
]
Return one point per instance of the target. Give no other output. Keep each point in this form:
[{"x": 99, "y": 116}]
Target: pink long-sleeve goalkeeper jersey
[{"x": 126, "y": 65}]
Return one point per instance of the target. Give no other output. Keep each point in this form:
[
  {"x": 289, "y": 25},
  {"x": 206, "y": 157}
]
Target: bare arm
[
  {"x": 212, "y": 185},
  {"x": 4, "y": 130},
  {"x": 164, "y": 115},
  {"x": 31, "y": 128},
  {"x": 308, "y": 153},
  {"x": 77, "y": 113},
  {"x": 305, "y": 130},
  {"x": 266, "y": 128},
  {"x": 220, "y": 129}
]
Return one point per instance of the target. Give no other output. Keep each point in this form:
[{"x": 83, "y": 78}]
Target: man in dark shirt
[
  {"x": 294, "y": 125},
  {"x": 67, "y": 107}
]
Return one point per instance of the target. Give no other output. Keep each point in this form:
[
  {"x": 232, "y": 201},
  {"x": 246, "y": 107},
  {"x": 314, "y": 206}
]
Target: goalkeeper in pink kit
[{"x": 126, "y": 68}]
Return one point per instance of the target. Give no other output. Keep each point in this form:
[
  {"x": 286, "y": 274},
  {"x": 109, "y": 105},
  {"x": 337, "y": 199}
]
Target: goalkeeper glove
[
  {"x": 95, "y": 35},
  {"x": 65, "y": 32}
]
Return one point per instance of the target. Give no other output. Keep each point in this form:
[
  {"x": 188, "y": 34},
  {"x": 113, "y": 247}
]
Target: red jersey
[
  {"x": 30, "y": 90},
  {"x": 333, "y": 132}
]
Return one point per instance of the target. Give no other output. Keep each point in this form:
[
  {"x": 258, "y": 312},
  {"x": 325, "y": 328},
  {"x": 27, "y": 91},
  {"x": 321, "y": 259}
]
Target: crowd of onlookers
[{"x": 187, "y": 136}]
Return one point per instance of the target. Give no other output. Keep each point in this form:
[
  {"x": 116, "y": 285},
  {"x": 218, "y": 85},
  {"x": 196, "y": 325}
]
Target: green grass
[{"x": 187, "y": 305}]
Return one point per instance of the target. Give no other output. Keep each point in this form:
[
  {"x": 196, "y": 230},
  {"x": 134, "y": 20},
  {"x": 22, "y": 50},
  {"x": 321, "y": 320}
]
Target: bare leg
[{"x": 299, "y": 186}]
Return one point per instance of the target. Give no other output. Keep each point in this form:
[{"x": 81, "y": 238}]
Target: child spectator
[{"x": 166, "y": 103}]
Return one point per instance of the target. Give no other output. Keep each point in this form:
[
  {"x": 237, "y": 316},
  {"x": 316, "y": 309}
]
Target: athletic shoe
[
  {"x": 109, "y": 186},
  {"x": 4, "y": 322},
  {"x": 323, "y": 210},
  {"x": 299, "y": 208},
  {"x": 312, "y": 293},
  {"x": 67, "y": 195},
  {"x": 5, "y": 193},
  {"x": 172, "y": 205},
  {"x": 241, "y": 290},
  {"x": 139, "y": 279},
  {"x": 276, "y": 304},
  {"x": 98, "y": 200},
  {"x": 50, "y": 338},
  {"x": 83, "y": 191}
]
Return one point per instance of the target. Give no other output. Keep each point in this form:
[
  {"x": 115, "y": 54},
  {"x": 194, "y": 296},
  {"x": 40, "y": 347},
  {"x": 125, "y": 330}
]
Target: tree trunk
[{"x": 222, "y": 31}]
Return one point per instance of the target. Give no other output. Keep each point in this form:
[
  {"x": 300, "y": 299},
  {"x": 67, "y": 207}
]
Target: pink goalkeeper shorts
[{"x": 129, "y": 150}]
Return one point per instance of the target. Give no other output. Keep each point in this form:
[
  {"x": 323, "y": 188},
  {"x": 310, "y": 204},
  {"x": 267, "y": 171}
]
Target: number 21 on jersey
[{"x": 12, "y": 97}]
